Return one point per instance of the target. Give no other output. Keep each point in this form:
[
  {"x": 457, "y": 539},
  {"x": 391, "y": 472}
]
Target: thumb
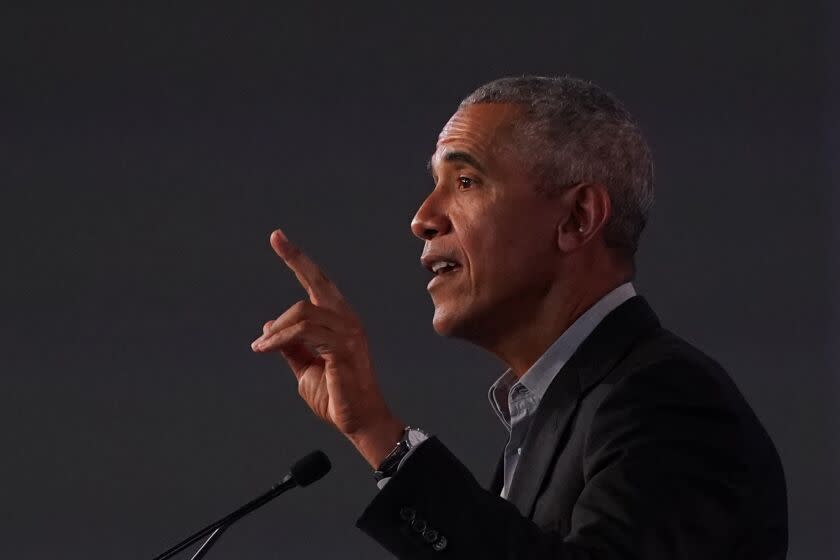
[{"x": 298, "y": 357}]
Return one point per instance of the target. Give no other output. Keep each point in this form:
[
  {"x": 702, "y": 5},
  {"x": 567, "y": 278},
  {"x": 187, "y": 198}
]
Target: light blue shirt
[{"x": 515, "y": 400}]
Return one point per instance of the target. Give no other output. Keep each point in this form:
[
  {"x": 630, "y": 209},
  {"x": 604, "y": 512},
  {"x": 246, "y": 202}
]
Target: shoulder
[
  {"x": 664, "y": 365},
  {"x": 667, "y": 391}
]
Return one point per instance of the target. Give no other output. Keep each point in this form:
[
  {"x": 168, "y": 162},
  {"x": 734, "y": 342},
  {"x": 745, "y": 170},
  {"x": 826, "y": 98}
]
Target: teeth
[{"x": 442, "y": 264}]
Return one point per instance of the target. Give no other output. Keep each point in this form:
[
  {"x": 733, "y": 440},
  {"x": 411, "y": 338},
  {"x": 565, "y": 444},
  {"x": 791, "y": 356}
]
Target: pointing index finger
[{"x": 322, "y": 292}]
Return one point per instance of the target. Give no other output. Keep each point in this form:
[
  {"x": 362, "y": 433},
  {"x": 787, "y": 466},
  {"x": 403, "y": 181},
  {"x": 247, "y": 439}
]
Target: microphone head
[{"x": 310, "y": 468}]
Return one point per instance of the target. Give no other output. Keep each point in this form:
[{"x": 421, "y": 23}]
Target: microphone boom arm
[{"x": 287, "y": 483}]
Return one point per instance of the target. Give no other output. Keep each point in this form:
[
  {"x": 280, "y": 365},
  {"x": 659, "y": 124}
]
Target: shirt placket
[{"x": 519, "y": 405}]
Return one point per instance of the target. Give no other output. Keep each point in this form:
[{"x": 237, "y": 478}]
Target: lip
[
  {"x": 442, "y": 278},
  {"x": 428, "y": 259}
]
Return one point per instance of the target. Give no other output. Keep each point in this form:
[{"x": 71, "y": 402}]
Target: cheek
[
  {"x": 486, "y": 250},
  {"x": 513, "y": 251},
  {"x": 497, "y": 258},
  {"x": 504, "y": 239}
]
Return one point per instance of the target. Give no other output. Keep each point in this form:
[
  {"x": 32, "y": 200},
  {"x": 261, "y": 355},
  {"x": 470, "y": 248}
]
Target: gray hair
[{"x": 574, "y": 131}]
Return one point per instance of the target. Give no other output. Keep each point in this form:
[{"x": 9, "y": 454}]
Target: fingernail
[
  {"x": 282, "y": 235},
  {"x": 256, "y": 345}
]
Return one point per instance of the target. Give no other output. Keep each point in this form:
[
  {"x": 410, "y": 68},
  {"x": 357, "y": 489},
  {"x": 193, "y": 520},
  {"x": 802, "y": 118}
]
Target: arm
[
  {"x": 663, "y": 479},
  {"x": 663, "y": 464}
]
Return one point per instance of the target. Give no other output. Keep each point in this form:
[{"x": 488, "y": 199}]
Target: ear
[{"x": 587, "y": 208}]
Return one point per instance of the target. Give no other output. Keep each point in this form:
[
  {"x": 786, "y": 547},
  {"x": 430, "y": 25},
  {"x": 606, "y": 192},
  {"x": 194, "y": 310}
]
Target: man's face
[{"x": 484, "y": 215}]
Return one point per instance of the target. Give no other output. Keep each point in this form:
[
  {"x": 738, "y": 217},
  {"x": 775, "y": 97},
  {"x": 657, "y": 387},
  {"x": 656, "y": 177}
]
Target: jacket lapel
[
  {"x": 498, "y": 480},
  {"x": 611, "y": 340}
]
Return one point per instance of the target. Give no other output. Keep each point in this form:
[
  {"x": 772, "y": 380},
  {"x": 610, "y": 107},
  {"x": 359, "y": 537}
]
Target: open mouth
[
  {"x": 442, "y": 271},
  {"x": 445, "y": 267}
]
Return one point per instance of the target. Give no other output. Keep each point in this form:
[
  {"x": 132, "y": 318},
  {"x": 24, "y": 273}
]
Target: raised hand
[{"x": 324, "y": 343}]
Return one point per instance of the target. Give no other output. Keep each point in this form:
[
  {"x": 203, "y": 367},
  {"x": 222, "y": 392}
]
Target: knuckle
[
  {"x": 292, "y": 252},
  {"x": 355, "y": 328},
  {"x": 355, "y": 343}
]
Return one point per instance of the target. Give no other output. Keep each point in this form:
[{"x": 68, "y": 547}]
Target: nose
[{"x": 430, "y": 220}]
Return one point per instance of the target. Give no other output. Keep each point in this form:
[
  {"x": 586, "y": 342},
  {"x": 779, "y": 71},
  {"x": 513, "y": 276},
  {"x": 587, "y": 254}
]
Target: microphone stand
[
  {"x": 303, "y": 473},
  {"x": 214, "y": 536},
  {"x": 218, "y": 527}
]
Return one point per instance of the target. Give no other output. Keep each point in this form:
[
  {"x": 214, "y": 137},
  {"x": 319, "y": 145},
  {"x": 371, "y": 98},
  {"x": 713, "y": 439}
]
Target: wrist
[
  {"x": 375, "y": 442},
  {"x": 411, "y": 438}
]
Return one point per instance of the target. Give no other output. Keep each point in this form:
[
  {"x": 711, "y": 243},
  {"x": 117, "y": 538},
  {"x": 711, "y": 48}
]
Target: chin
[
  {"x": 453, "y": 325},
  {"x": 442, "y": 326},
  {"x": 478, "y": 323},
  {"x": 445, "y": 324}
]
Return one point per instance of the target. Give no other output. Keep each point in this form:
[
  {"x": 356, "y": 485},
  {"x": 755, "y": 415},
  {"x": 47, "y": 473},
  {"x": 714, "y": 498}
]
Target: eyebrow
[{"x": 453, "y": 156}]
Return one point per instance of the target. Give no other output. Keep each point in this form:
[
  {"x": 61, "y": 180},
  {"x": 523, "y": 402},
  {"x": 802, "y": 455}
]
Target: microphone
[
  {"x": 303, "y": 473},
  {"x": 310, "y": 469}
]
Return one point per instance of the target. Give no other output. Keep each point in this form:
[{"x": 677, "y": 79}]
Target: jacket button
[
  {"x": 440, "y": 544},
  {"x": 430, "y": 535},
  {"x": 419, "y": 525},
  {"x": 407, "y": 514}
]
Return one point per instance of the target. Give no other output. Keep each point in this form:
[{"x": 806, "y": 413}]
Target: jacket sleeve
[
  {"x": 433, "y": 507},
  {"x": 664, "y": 478}
]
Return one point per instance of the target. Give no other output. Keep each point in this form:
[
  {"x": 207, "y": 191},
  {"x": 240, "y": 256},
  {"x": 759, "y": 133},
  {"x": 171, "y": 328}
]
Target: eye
[{"x": 464, "y": 182}]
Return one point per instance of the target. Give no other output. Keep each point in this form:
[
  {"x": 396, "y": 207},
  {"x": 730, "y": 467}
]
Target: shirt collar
[{"x": 540, "y": 375}]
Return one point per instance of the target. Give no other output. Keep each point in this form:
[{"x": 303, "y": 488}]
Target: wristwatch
[{"x": 411, "y": 438}]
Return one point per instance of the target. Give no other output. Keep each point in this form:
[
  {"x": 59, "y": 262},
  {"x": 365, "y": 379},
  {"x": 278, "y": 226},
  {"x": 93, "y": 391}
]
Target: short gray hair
[{"x": 575, "y": 131}]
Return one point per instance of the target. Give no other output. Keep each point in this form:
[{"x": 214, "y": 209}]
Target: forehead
[{"x": 479, "y": 130}]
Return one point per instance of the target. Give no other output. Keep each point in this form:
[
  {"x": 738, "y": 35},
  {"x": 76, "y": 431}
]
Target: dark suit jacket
[{"x": 642, "y": 448}]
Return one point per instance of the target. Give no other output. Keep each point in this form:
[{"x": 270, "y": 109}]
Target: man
[{"x": 625, "y": 441}]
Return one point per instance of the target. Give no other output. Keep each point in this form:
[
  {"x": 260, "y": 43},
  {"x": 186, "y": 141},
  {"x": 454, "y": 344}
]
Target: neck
[{"x": 526, "y": 337}]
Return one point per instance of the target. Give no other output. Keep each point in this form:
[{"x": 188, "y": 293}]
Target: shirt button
[
  {"x": 519, "y": 451},
  {"x": 440, "y": 544},
  {"x": 407, "y": 514},
  {"x": 419, "y": 525}
]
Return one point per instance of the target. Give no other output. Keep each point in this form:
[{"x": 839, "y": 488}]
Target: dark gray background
[{"x": 147, "y": 153}]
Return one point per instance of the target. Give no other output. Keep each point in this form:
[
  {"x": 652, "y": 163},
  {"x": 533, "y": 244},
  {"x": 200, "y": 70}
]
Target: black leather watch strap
[{"x": 392, "y": 460}]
